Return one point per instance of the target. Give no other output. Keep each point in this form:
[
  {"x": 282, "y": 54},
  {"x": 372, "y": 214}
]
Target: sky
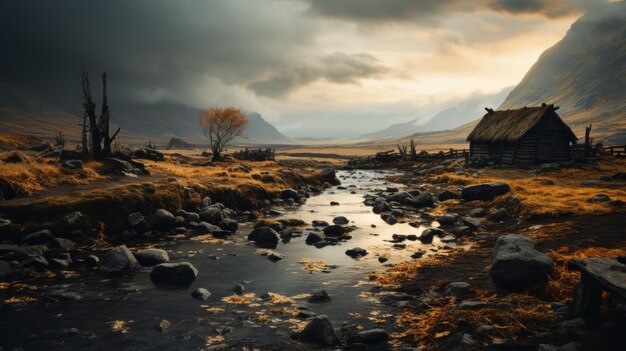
[{"x": 313, "y": 68}]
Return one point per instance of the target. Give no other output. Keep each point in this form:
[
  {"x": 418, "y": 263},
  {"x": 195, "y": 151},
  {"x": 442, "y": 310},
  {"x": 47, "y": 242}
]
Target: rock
[
  {"x": 341, "y": 220},
  {"x": 264, "y": 236},
  {"x": 319, "y": 331},
  {"x": 163, "y": 326},
  {"x": 477, "y": 212},
  {"x": 304, "y": 314},
  {"x": 499, "y": 215},
  {"x": 319, "y": 297},
  {"x": 471, "y": 222},
  {"x": 38, "y": 238},
  {"x": 328, "y": 174},
  {"x": 321, "y": 244},
  {"x": 6, "y": 271},
  {"x": 229, "y": 224},
  {"x": 117, "y": 262},
  {"x": 206, "y": 202},
  {"x": 334, "y": 203},
  {"x": 37, "y": 262},
  {"x": 549, "y": 167},
  {"x": 290, "y": 194},
  {"x": 485, "y": 191},
  {"x": 201, "y": 294},
  {"x": 149, "y": 154},
  {"x": 92, "y": 261},
  {"x": 389, "y": 219},
  {"x": 381, "y": 207},
  {"x": 239, "y": 289},
  {"x": 472, "y": 305},
  {"x": 181, "y": 273},
  {"x": 72, "y": 164},
  {"x": 212, "y": 215},
  {"x": 334, "y": 230},
  {"x": 428, "y": 234},
  {"x": 517, "y": 265},
  {"x": 399, "y": 197},
  {"x": 458, "y": 289},
  {"x": 151, "y": 257},
  {"x": 136, "y": 220},
  {"x": 64, "y": 245},
  {"x": 600, "y": 198},
  {"x": 163, "y": 220},
  {"x": 318, "y": 223},
  {"x": 383, "y": 259},
  {"x": 275, "y": 257},
  {"x": 447, "y": 219},
  {"x": 424, "y": 199},
  {"x": 313, "y": 238},
  {"x": 371, "y": 337},
  {"x": 448, "y": 195},
  {"x": 202, "y": 228},
  {"x": 356, "y": 252}
]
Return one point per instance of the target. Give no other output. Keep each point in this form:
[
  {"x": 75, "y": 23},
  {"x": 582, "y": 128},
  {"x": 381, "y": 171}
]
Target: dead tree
[
  {"x": 60, "y": 141},
  {"x": 99, "y": 147},
  {"x": 413, "y": 152}
]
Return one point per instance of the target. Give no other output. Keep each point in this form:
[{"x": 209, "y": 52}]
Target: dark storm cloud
[
  {"x": 156, "y": 45},
  {"x": 338, "y": 67},
  {"x": 430, "y": 11}
]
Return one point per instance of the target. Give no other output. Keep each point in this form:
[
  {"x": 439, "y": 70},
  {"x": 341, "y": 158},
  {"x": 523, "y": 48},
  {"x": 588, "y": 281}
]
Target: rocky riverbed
[{"x": 303, "y": 281}]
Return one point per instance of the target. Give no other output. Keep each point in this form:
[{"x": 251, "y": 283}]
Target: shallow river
[{"x": 122, "y": 313}]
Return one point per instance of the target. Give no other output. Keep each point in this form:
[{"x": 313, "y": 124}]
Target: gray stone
[
  {"x": 600, "y": 198},
  {"x": 319, "y": 331},
  {"x": 340, "y": 220},
  {"x": 334, "y": 230},
  {"x": 319, "y": 297},
  {"x": 212, "y": 215},
  {"x": 424, "y": 199},
  {"x": 229, "y": 224},
  {"x": 328, "y": 174},
  {"x": 428, "y": 234},
  {"x": 38, "y": 238},
  {"x": 201, "y": 294},
  {"x": 163, "y": 220},
  {"x": 477, "y": 212},
  {"x": 472, "y": 305},
  {"x": 356, "y": 252},
  {"x": 485, "y": 191},
  {"x": 500, "y": 214},
  {"x": 151, "y": 257},
  {"x": 458, "y": 289},
  {"x": 371, "y": 337},
  {"x": 181, "y": 273},
  {"x": 118, "y": 261},
  {"x": 313, "y": 238},
  {"x": 319, "y": 223},
  {"x": 447, "y": 219},
  {"x": 448, "y": 195},
  {"x": 6, "y": 271},
  {"x": 72, "y": 164},
  {"x": 136, "y": 220},
  {"x": 289, "y": 194},
  {"x": 517, "y": 265},
  {"x": 264, "y": 236}
]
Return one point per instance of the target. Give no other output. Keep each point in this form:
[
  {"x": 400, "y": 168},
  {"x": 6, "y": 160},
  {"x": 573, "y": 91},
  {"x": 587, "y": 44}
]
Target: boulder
[
  {"x": 181, "y": 273},
  {"x": 328, "y": 174},
  {"x": 600, "y": 198},
  {"x": 163, "y": 220},
  {"x": 517, "y": 265},
  {"x": 389, "y": 218},
  {"x": 424, "y": 199},
  {"x": 72, "y": 164},
  {"x": 36, "y": 262},
  {"x": 313, "y": 238},
  {"x": 485, "y": 191},
  {"x": 38, "y": 238},
  {"x": 458, "y": 289},
  {"x": 447, "y": 219},
  {"x": 149, "y": 154},
  {"x": 151, "y": 257},
  {"x": 211, "y": 215},
  {"x": 399, "y": 197},
  {"x": 290, "y": 194},
  {"x": 381, "y": 207},
  {"x": 341, "y": 220},
  {"x": 334, "y": 230},
  {"x": 448, "y": 195},
  {"x": 319, "y": 297},
  {"x": 499, "y": 215},
  {"x": 229, "y": 224},
  {"x": 92, "y": 261},
  {"x": 477, "y": 212},
  {"x": 201, "y": 294},
  {"x": 118, "y": 261},
  {"x": 136, "y": 220},
  {"x": 428, "y": 234},
  {"x": 356, "y": 252},
  {"x": 264, "y": 236},
  {"x": 319, "y": 331}
]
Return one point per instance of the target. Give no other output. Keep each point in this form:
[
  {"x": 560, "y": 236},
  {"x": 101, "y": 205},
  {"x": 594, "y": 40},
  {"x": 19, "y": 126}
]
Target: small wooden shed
[{"x": 522, "y": 137}]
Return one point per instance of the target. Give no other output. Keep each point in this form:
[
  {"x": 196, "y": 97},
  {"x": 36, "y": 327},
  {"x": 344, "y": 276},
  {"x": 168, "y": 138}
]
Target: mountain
[
  {"x": 584, "y": 74},
  {"x": 27, "y": 111},
  {"x": 259, "y": 131},
  {"x": 458, "y": 114}
]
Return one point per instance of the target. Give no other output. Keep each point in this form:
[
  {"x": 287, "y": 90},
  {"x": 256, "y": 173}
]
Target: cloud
[{"x": 338, "y": 67}]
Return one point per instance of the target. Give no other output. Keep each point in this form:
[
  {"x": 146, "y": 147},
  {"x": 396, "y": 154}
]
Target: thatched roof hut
[{"x": 523, "y": 136}]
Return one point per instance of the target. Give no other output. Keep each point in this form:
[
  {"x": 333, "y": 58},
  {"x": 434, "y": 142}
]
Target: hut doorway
[{"x": 545, "y": 147}]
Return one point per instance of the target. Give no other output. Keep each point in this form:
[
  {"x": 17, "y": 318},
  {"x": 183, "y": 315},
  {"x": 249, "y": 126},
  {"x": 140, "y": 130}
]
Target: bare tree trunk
[
  {"x": 98, "y": 126},
  {"x": 588, "y": 140}
]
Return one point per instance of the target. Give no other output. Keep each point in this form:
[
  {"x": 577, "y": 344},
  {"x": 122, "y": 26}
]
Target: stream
[{"x": 122, "y": 313}]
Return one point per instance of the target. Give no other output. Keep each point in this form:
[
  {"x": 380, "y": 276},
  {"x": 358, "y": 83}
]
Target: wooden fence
[{"x": 617, "y": 151}]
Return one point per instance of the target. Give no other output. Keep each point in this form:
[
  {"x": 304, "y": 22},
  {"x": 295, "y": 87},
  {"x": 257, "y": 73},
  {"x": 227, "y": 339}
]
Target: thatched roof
[{"x": 511, "y": 125}]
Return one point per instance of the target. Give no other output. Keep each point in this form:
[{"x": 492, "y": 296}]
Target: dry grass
[
  {"x": 566, "y": 196},
  {"x": 35, "y": 175},
  {"x": 405, "y": 271}
]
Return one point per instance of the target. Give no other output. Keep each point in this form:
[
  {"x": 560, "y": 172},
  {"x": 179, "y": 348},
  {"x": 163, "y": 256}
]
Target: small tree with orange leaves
[{"x": 221, "y": 126}]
